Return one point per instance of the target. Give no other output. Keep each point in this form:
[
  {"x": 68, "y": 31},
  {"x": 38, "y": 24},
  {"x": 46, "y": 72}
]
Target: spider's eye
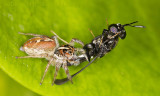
[{"x": 113, "y": 29}]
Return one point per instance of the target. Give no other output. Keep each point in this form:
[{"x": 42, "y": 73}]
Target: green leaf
[
  {"x": 132, "y": 68},
  {"x": 10, "y": 87}
]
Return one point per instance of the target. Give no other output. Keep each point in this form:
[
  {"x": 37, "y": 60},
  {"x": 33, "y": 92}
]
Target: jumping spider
[{"x": 41, "y": 46}]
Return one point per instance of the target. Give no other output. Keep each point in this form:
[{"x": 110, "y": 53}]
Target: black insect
[{"x": 102, "y": 44}]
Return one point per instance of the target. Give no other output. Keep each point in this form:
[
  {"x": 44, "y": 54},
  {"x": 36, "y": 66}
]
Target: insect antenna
[
  {"x": 130, "y": 24},
  {"x": 107, "y": 22}
]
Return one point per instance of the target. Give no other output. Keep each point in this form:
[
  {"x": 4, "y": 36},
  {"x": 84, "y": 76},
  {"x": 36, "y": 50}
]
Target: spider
[{"x": 41, "y": 46}]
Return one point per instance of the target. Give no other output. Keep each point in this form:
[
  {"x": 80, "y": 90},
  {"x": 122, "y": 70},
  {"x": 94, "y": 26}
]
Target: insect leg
[
  {"x": 49, "y": 63},
  {"x": 59, "y": 37},
  {"x": 91, "y": 33}
]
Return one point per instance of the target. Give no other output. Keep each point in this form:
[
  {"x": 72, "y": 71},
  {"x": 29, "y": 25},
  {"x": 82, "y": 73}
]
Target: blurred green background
[{"x": 131, "y": 69}]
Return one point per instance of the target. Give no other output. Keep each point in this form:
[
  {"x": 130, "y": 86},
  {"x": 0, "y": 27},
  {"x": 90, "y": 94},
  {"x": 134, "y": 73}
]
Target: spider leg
[
  {"x": 56, "y": 40},
  {"x": 67, "y": 72},
  {"x": 72, "y": 41},
  {"x": 49, "y": 63},
  {"x": 77, "y": 41},
  {"x": 64, "y": 80},
  {"x": 56, "y": 72},
  {"x": 31, "y": 57},
  {"x": 36, "y": 35}
]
